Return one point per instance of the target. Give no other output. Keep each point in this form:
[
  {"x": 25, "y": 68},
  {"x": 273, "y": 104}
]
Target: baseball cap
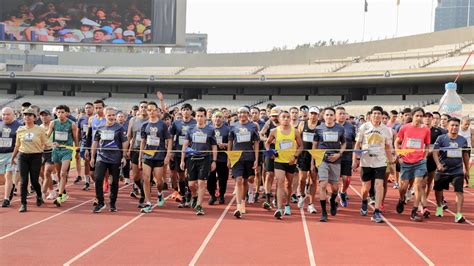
[
  {"x": 128, "y": 33},
  {"x": 275, "y": 111},
  {"x": 29, "y": 110},
  {"x": 304, "y": 108},
  {"x": 64, "y": 32},
  {"x": 45, "y": 112},
  {"x": 314, "y": 109}
]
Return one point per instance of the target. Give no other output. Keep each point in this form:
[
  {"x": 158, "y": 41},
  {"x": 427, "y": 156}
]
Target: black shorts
[
  {"x": 175, "y": 164},
  {"x": 397, "y": 167},
  {"x": 430, "y": 164},
  {"x": 243, "y": 169},
  {"x": 47, "y": 157},
  {"x": 154, "y": 163},
  {"x": 291, "y": 169},
  {"x": 199, "y": 168},
  {"x": 134, "y": 157},
  {"x": 369, "y": 173},
  {"x": 346, "y": 168},
  {"x": 441, "y": 182},
  {"x": 260, "y": 158},
  {"x": 304, "y": 161},
  {"x": 269, "y": 164}
]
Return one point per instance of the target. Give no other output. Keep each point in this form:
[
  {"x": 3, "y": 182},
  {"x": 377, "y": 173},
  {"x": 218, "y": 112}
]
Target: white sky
[{"x": 260, "y": 25}]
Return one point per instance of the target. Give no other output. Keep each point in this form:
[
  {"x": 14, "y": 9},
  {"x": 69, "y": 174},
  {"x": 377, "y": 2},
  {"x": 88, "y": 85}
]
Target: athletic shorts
[
  {"x": 82, "y": 152},
  {"x": 409, "y": 171},
  {"x": 48, "y": 157},
  {"x": 329, "y": 172},
  {"x": 346, "y": 168},
  {"x": 199, "y": 168},
  {"x": 175, "y": 164},
  {"x": 134, "y": 156},
  {"x": 154, "y": 163},
  {"x": 368, "y": 173},
  {"x": 441, "y": 182},
  {"x": 291, "y": 169},
  {"x": 397, "y": 167},
  {"x": 243, "y": 169},
  {"x": 430, "y": 164},
  {"x": 6, "y": 163},
  {"x": 61, "y": 155},
  {"x": 269, "y": 164},
  {"x": 304, "y": 162}
]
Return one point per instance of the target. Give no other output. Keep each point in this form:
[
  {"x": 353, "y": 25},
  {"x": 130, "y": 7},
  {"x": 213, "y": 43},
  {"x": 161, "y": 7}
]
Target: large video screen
[{"x": 126, "y": 22}]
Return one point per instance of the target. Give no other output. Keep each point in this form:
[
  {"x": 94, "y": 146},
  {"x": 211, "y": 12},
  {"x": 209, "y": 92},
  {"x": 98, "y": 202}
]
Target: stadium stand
[
  {"x": 301, "y": 69},
  {"x": 141, "y": 71},
  {"x": 452, "y": 61},
  {"x": 211, "y": 71},
  {"x": 62, "y": 69}
]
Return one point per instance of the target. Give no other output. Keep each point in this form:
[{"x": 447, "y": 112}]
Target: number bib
[
  {"x": 85, "y": 128},
  {"x": 6, "y": 133},
  {"x": 6, "y": 142},
  {"x": 330, "y": 136},
  {"x": 61, "y": 135},
  {"x": 243, "y": 137},
  {"x": 107, "y": 135},
  {"x": 374, "y": 149},
  {"x": 308, "y": 137},
  {"x": 153, "y": 141},
  {"x": 138, "y": 139},
  {"x": 454, "y": 153},
  {"x": 219, "y": 140},
  {"x": 199, "y": 137},
  {"x": 286, "y": 144},
  {"x": 414, "y": 143},
  {"x": 29, "y": 137},
  {"x": 181, "y": 140}
]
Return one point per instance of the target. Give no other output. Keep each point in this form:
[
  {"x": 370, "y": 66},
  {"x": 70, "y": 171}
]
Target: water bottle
[{"x": 451, "y": 103}]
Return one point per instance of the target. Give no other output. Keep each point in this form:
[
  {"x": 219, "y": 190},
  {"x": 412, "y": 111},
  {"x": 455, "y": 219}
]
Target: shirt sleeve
[
  {"x": 143, "y": 131},
  {"x": 173, "y": 129},
  {"x": 342, "y": 137},
  {"x": 438, "y": 141},
  {"x": 401, "y": 132},
  {"x": 123, "y": 135},
  {"x": 97, "y": 135},
  {"x": 316, "y": 136},
  {"x": 360, "y": 134},
  {"x": 212, "y": 138},
  {"x": 427, "y": 137},
  {"x": 166, "y": 133},
  {"x": 231, "y": 134}
]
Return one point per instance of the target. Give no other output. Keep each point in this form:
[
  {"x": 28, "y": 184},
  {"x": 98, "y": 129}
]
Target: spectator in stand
[
  {"x": 128, "y": 37},
  {"x": 101, "y": 17},
  {"x": 40, "y": 32},
  {"x": 99, "y": 37}
]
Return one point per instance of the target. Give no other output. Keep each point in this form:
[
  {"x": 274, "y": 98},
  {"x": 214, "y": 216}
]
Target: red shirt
[{"x": 414, "y": 138}]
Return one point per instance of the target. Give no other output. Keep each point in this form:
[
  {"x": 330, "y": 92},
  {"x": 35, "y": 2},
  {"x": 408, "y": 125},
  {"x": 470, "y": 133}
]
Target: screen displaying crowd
[{"x": 77, "y": 21}]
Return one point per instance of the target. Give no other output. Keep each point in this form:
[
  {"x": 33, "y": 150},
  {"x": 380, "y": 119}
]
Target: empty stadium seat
[
  {"x": 210, "y": 71},
  {"x": 300, "y": 69},
  {"x": 62, "y": 69},
  {"x": 141, "y": 71}
]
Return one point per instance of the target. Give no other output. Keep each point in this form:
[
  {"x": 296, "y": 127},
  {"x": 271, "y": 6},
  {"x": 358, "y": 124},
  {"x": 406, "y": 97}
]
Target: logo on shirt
[
  {"x": 6, "y": 132},
  {"x": 218, "y": 133},
  {"x": 243, "y": 130},
  {"x": 453, "y": 145},
  {"x": 153, "y": 131}
]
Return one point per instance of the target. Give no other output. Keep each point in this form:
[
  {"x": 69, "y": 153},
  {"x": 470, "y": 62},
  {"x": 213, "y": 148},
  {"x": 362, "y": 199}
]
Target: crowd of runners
[{"x": 303, "y": 157}]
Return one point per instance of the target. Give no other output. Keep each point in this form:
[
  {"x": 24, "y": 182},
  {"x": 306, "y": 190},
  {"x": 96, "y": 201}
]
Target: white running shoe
[
  {"x": 52, "y": 195},
  {"x": 312, "y": 209},
  {"x": 301, "y": 201}
]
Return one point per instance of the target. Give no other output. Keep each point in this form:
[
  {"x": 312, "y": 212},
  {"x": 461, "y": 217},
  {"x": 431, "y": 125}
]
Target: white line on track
[
  {"x": 98, "y": 243},
  {"x": 309, "y": 246},
  {"x": 468, "y": 192},
  {"x": 448, "y": 210},
  {"x": 211, "y": 234},
  {"x": 403, "y": 237},
  {"x": 49, "y": 218}
]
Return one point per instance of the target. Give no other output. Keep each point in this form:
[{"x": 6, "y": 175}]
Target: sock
[
  {"x": 323, "y": 206},
  {"x": 88, "y": 179},
  {"x": 365, "y": 202},
  {"x": 333, "y": 198},
  {"x": 267, "y": 197},
  {"x": 414, "y": 210},
  {"x": 376, "y": 211},
  {"x": 182, "y": 187}
]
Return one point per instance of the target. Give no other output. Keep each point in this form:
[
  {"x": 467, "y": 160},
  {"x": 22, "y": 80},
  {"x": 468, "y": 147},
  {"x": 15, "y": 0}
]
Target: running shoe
[
  {"x": 212, "y": 200},
  {"x": 277, "y": 214},
  {"x": 274, "y": 203},
  {"x": 408, "y": 195},
  {"x": 426, "y": 213},
  {"x": 396, "y": 185},
  {"x": 133, "y": 195},
  {"x": 266, "y": 205},
  {"x": 95, "y": 202},
  {"x": 22, "y": 208},
  {"x": 179, "y": 198},
  {"x": 5, "y": 203},
  {"x": 251, "y": 197},
  {"x": 175, "y": 194},
  {"x": 287, "y": 210},
  {"x": 376, "y": 217},
  {"x": 363, "y": 209},
  {"x": 57, "y": 201},
  {"x": 311, "y": 209},
  {"x": 199, "y": 210},
  {"x": 257, "y": 196},
  {"x": 161, "y": 201},
  {"x": 112, "y": 208},
  {"x": 333, "y": 209},
  {"x": 372, "y": 200},
  {"x": 293, "y": 198},
  {"x": 221, "y": 199},
  {"x": 86, "y": 186},
  {"x": 445, "y": 205},
  {"x": 458, "y": 218},
  {"x": 12, "y": 192},
  {"x": 415, "y": 217},
  {"x": 64, "y": 197},
  {"x": 324, "y": 217},
  {"x": 52, "y": 195},
  {"x": 78, "y": 179},
  {"x": 439, "y": 211},
  {"x": 301, "y": 199},
  {"x": 243, "y": 210},
  {"x": 99, "y": 208},
  {"x": 237, "y": 213},
  {"x": 39, "y": 201},
  {"x": 147, "y": 209},
  {"x": 193, "y": 203},
  {"x": 400, "y": 206},
  {"x": 127, "y": 181},
  {"x": 343, "y": 198}
]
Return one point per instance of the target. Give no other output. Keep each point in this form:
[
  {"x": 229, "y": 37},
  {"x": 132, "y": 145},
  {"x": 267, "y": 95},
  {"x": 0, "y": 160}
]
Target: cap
[
  {"x": 304, "y": 108},
  {"x": 243, "y": 109},
  {"x": 128, "y": 33},
  {"x": 314, "y": 109},
  {"x": 108, "y": 29},
  {"x": 29, "y": 110},
  {"x": 45, "y": 112},
  {"x": 64, "y": 32},
  {"x": 90, "y": 23},
  {"x": 275, "y": 111}
]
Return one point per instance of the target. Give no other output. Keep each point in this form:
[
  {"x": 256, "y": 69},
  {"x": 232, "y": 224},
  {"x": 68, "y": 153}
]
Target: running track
[{"x": 72, "y": 235}]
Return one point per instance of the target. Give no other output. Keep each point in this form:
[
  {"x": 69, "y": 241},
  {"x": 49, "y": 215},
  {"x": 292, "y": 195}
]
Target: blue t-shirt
[
  {"x": 155, "y": 136},
  {"x": 450, "y": 154},
  {"x": 330, "y": 138},
  {"x": 8, "y": 136},
  {"x": 222, "y": 137},
  {"x": 110, "y": 139},
  {"x": 243, "y": 136},
  {"x": 83, "y": 125},
  {"x": 350, "y": 135},
  {"x": 179, "y": 129},
  {"x": 201, "y": 139}
]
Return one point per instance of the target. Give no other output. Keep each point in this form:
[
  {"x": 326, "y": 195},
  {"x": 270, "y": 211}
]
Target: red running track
[{"x": 73, "y": 235}]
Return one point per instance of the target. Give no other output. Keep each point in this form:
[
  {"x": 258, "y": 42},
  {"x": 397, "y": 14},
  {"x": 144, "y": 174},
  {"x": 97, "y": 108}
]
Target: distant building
[
  {"x": 452, "y": 14},
  {"x": 196, "y": 43}
]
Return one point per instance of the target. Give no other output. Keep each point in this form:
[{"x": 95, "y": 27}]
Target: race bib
[
  {"x": 107, "y": 135},
  {"x": 219, "y": 140},
  {"x": 374, "y": 148},
  {"x": 29, "y": 137},
  {"x": 243, "y": 137},
  {"x": 85, "y": 128},
  {"x": 330, "y": 136},
  {"x": 414, "y": 143},
  {"x": 138, "y": 138},
  {"x": 153, "y": 141},
  {"x": 199, "y": 138},
  {"x": 286, "y": 144},
  {"x": 6, "y": 142},
  {"x": 181, "y": 140},
  {"x": 308, "y": 137},
  {"x": 6, "y": 133},
  {"x": 455, "y": 153},
  {"x": 60, "y": 135}
]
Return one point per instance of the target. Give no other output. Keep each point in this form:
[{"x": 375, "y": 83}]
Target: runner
[
  {"x": 8, "y": 127},
  {"x": 201, "y": 138},
  {"x": 346, "y": 160},
  {"x": 109, "y": 146},
  {"x": 243, "y": 136},
  {"x": 29, "y": 146},
  {"x": 329, "y": 136},
  {"x": 221, "y": 174},
  {"x": 154, "y": 137},
  {"x": 413, "y": 164},
  {"x": 449, "y": 160},
  {"x": 294, "y": 122},
  {"x": 306, "y": 162},
  {"x": 376, "y": 140},
  {"x": 83, "y": 128},
  {"x": 255, "y": 117},
  {"x": 47, "y": 162},
  {"x": 64, "y": 133},
  {"x": 288, "y": 147}
]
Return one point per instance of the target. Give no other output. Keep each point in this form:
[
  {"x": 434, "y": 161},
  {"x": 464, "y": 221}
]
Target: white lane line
[
  {"x": 49, "y": 218},
  {"x": 407, "y": 241},
  {"x": 448, "y": 210},
  {"x": 98, "y": 243},
  {"x": 309, "y": 246},
  {"x": 211, "y": 234},
  {"x": 468, "y": 192}
]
